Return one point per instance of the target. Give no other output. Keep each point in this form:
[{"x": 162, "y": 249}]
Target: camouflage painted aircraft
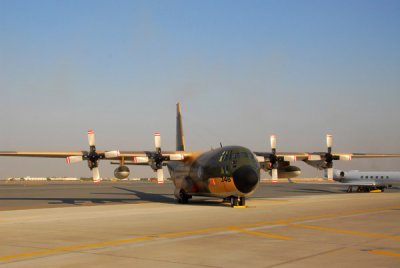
[{"x": 230, "y": 172}]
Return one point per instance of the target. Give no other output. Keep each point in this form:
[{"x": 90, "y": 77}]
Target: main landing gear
[
  {"x": 183, "y": 198},
  {"x": 237, "y": 201},
  {"x": 365, "y": 189},
  {"x": 350, "y": 189}
]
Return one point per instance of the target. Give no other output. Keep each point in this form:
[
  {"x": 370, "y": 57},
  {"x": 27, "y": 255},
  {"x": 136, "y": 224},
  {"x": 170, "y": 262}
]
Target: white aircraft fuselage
[{"x": 368, "y": 179}]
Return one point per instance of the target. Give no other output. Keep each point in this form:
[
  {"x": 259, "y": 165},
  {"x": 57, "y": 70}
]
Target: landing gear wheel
[
  {"x": 226, "y": 200},
  {"x": 242, "y": 201},
  {"x": 183, "y": 197},
  {"x": 350, "y": 189},
  {"x": 234, "y": 201}
]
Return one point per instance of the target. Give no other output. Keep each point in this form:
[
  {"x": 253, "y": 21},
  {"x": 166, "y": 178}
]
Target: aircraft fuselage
[
  {"x": 223, "y": 172},
  {"x": 378, "y": 178}
]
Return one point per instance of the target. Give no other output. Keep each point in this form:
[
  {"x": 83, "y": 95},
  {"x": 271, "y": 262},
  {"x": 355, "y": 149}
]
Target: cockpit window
[{"x": 244, "y": 155}]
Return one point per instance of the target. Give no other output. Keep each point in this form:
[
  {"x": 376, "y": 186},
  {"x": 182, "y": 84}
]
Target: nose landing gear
[{"x": 237, "y": 201}]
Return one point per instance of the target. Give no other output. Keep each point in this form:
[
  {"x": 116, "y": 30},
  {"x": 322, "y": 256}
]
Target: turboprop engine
[
  {"x": 121, "y": 172},
  {"x": 288, "y": 172}
]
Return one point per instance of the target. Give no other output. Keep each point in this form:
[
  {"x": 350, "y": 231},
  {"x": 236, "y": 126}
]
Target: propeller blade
[
  {"x": 274, "y": 174},
  {"x": 157, "y": 141},
  {"x": 96, "y": 175},
  {"x": 314, "y": 157},
  {"x": 346, "y": 157},
  {"x": 111, "y": 154},
  {"x": 290, "y": 158},
  {"x": 160, "y": 176},
  {"x": 176, "y": 157},
  {"x": 273, "y": 142},
  {"x": 140, "y": 159},
  {"x": 74, "y": 159},
  {"x": 91, "y": 138},
  {"x": 329, "y": 141},
  {"x": 330, "y": 173}
]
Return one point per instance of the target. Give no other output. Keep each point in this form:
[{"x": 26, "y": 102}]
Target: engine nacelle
[
  {"x": 121, "y": 172},
  {"x": 288, "y": 172}
]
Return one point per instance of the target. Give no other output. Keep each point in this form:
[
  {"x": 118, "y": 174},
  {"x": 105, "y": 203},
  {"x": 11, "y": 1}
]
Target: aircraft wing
[
  {"x": 155, "y": 159},
  {"x": 358, "y": 183},
  {"x": 354, "y": 183},
  {"x": 315, "y": 156},
  {"x": 139, "y": 157},
  {"x": 318, "y": 160},
  {"x": 44, "y": 154}
]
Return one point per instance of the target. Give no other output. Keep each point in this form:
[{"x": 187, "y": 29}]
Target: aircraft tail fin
[{"x": 180, "y": 140}]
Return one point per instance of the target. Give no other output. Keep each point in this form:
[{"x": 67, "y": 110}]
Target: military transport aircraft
[{"x": 229, "y": 172}]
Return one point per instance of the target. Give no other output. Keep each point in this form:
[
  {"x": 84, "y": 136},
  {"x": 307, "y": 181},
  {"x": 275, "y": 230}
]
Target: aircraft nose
[{"x": 245, "y": 179}]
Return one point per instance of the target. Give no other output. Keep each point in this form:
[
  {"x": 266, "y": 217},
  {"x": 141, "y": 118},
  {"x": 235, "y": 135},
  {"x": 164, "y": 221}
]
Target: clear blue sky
[{"x": 241, "y": 69}]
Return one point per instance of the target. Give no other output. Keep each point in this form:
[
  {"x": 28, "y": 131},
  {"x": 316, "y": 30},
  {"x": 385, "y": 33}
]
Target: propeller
[
  {"x": 93, "y": 157},
  {"x": 329, "y": 157},
  {"x": 273, "y": 160},
  {"x": 156, "y": 158}
]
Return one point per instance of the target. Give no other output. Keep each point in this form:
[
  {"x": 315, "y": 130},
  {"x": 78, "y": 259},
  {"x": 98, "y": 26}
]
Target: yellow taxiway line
[
  {"x": 387, "y": 253},
  {"x": 330, "y": 229}
]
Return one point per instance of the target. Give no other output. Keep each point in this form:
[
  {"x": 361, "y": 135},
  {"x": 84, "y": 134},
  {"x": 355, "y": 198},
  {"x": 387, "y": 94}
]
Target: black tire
[
  {"x": 183, "y": 197},
  {"x": 226, "y": 200},
  {"x": 234, "y": 201},
  {"x": 242, "y": 201}
]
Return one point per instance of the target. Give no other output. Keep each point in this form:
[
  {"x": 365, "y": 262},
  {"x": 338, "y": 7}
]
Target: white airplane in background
[{"x": 366, "y": 181}]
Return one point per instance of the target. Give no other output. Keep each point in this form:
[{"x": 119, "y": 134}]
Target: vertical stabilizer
[{"x": 180, "y": 140}]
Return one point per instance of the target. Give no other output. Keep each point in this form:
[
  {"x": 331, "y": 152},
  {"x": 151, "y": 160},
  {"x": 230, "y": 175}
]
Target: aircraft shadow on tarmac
[
  {"x": 166, "y": 198},
  {"x": 314, "y": 190},
  {"x": 135, "y": 197},
  {"x": 71, "y": 200}
]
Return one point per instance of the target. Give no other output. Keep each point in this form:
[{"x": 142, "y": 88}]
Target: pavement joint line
[
  {"x": 207, "y": 230},
  {"x": 386, "y": 253},
  {"x": 330, "y": 229},
  {"x": 269, "y": 235}
]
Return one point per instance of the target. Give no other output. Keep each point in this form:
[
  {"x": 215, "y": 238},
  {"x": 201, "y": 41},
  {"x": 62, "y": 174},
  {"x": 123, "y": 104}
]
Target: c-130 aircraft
[{"x": 230, "y": 172}]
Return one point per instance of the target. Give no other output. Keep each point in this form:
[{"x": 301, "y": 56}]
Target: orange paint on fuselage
[{"x": 221, "y": 185}]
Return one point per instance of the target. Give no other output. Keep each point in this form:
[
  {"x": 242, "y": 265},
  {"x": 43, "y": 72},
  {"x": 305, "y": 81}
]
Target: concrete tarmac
[{"x": 285, "y": 225}]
